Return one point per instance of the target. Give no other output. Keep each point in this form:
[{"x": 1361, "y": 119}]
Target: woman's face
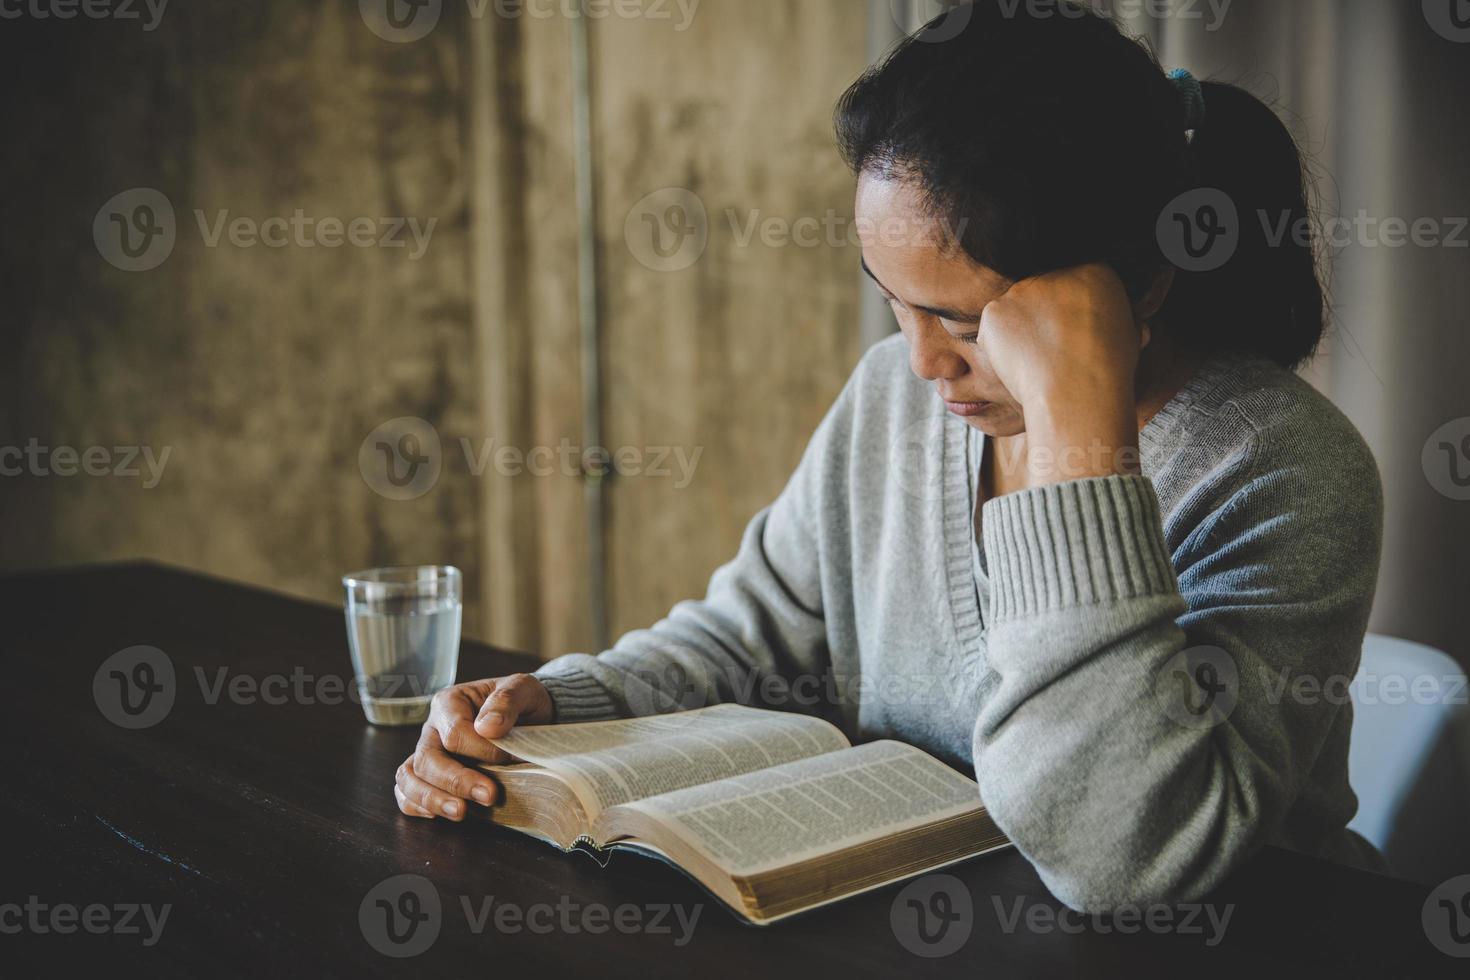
[{"x": 938, "y": 293}]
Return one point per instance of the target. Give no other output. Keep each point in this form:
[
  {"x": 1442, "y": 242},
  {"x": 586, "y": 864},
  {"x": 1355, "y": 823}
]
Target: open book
[{"x": 774, "y": 813}]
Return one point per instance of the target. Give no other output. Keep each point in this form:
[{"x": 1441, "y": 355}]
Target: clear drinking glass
[{"x": 403, "y": 629}]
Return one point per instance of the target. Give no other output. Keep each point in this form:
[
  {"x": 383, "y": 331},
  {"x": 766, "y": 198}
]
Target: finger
[
  {"x": 429, "y": 798},
  {"x": 409, "y": 808},
  {"x": 441, "y": 770},
  {"x": 518, "y": 698},
  {"x": 453, "y": 722}
]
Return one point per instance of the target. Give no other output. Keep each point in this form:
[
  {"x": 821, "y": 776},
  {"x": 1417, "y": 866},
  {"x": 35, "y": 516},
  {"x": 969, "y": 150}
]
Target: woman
[{"x": 1080, "y": 527}]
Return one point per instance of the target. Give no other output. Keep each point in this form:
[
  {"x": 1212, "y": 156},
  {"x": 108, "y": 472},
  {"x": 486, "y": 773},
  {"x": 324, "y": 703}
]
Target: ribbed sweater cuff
[
  {"x": 577, "y": 695},
  {"x": 1075, "y": 544}
]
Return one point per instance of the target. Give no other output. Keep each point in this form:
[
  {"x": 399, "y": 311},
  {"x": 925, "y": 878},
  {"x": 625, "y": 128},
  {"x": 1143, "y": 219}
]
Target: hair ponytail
[{"x": 1266, "y": 295}]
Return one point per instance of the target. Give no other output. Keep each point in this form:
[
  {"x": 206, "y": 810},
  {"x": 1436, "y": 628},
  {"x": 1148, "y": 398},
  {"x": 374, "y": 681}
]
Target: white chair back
[{"x": 1410, "y": 758}]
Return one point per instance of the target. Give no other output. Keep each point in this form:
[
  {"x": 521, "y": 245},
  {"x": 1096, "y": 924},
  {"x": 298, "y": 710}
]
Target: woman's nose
[{"x": 933, "y": 358}]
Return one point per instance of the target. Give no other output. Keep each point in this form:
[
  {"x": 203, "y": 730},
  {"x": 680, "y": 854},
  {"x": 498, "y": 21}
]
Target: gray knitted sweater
[{"x": 1120, "y": 660}]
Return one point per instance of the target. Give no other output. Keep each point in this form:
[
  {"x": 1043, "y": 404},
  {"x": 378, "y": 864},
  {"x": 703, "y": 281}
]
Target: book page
[
  {"x": 612, "y": 762},
  {"x": 812, "y": 807}
]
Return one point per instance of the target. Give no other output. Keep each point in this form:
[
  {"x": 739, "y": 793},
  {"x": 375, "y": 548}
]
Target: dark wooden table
[{"x": 264, "y": 826}]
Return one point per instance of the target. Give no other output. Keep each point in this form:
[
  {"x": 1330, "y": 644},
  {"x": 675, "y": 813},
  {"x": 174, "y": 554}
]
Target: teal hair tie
[{"x": 1194, "y": 97}]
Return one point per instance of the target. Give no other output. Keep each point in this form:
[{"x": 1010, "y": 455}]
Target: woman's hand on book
[{"x": 434, "y": 781}]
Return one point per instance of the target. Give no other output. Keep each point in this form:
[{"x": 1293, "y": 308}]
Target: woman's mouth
[{"x": 967, "y": 409}]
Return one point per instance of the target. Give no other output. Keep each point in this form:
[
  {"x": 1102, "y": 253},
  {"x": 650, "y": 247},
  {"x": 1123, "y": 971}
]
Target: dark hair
[{"x": 1045, "y": 139}]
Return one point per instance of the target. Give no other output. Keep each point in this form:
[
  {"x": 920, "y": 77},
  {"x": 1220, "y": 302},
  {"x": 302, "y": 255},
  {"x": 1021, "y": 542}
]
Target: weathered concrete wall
[{"x": 261, "y": 370}]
